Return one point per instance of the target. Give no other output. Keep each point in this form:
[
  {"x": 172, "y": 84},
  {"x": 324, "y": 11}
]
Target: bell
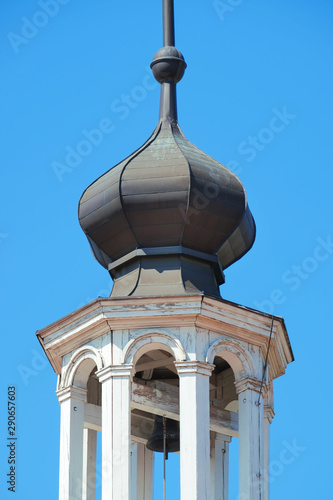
[{"x": 171, "y": 432}]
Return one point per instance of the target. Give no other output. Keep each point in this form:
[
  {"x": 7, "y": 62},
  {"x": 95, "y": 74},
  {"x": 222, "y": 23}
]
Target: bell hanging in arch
[{"x": 171, "y": 432}]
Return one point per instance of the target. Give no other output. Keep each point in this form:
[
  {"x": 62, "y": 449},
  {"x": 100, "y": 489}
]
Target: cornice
[{"x": 222, "y": 317}]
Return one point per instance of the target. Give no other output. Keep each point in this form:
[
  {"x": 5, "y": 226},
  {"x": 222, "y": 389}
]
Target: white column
[
  {"x": 116, "y": 431},
  {"x": 268, "y": 418},
  {"x": 71, "y": 401},
  {"x": 142, "y": 472},
  {"x": 251, "y": 439},
  {"x": 194, "y": 429},
  {"x": 89, "y": 464},
  {"x": 134, "y": 470},
  {"x": 219, "y": 467}
]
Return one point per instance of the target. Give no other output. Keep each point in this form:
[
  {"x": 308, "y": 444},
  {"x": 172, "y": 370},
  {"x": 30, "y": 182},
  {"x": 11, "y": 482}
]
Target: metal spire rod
[
  {"x": 168, "y": 65},
  {"x": 168, "y": 23}
]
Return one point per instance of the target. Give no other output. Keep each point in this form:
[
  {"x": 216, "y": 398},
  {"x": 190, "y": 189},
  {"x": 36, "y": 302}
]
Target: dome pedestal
[{"x": 154, "y": 272}]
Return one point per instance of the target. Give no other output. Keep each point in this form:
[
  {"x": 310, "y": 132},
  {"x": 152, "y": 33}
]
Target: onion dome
[{"x": 168, "y": 219}]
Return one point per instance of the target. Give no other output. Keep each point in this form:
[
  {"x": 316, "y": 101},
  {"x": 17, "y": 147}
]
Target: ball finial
[{"x": 168, "y": 65}]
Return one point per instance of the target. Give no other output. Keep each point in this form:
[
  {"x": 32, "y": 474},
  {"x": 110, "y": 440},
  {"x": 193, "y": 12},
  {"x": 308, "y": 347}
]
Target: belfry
[{"x": 165, "y": 364}]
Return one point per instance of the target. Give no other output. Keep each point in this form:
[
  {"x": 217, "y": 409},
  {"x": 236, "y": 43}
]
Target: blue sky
[{"x": 257, "y": 97}]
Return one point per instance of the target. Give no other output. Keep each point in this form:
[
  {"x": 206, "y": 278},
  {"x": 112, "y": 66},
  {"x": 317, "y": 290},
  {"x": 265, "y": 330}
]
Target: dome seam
[{"x": 176, "y": 125}]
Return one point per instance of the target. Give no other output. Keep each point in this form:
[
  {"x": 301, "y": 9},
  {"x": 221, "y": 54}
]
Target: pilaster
[
  {"x": 219, "y": 467},
  {"x": 72, "y": 400},
  {"x": 142, "y": 461},
  {"x": 194, "y": 429},
  {"x": 268, "y": 418},
  {"x": 251, "y": 439},
  {"x": 89, "y": 464},
  {"x": 116, "y": 431}
]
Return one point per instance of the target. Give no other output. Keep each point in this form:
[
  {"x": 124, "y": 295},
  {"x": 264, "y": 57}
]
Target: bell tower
[{"x": 165, "y": 365}]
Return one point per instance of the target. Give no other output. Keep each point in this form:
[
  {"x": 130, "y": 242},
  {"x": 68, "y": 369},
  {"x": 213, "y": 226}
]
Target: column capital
[
  {"x": 223, "y": 438},
  {"x": 250, "y": 383},
  {"x": 201, "y": 367},
  {"x": 269, "y": 413},
  {"x": 72, "y": 392},
  {"x": 115, "y": 371}
]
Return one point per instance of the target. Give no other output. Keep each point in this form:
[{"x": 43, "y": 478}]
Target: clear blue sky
[{"x": 256, "y": 96}]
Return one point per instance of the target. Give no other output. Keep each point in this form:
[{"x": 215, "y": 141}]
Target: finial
[
  {"x": 131, "y": 215},
  {"x": 168, "y": 65}
]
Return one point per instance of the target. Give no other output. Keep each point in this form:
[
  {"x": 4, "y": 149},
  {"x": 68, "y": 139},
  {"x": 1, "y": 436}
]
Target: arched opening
[
  {"x": 94, "y": 389},
  {"x": 234, "y": 363},
  {"x": 155, "y": 394},
  {"x": 82, "y": 375},
  {"x": 222, "y": 386},
  {"x": 83, "y": 361},
  {"x": 94, "y": 437},
  {"x": 224, "y": 449}
]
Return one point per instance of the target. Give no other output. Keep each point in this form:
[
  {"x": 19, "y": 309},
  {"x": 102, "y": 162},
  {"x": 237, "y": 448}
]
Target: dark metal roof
[{"x": 168, "y": 207}]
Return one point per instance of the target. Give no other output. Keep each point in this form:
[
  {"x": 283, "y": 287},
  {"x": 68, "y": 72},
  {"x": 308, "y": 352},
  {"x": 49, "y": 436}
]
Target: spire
[
  {"x": 168, "y": 66},
  {"x": 168, "y": 219}
]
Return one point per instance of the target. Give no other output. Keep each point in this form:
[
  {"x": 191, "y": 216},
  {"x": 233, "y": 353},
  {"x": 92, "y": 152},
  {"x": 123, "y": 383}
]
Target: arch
[
  {"x": 135, "y": 348},
  {"x": 80, "y": 366},
  {"x": 238, "y": 358}
]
